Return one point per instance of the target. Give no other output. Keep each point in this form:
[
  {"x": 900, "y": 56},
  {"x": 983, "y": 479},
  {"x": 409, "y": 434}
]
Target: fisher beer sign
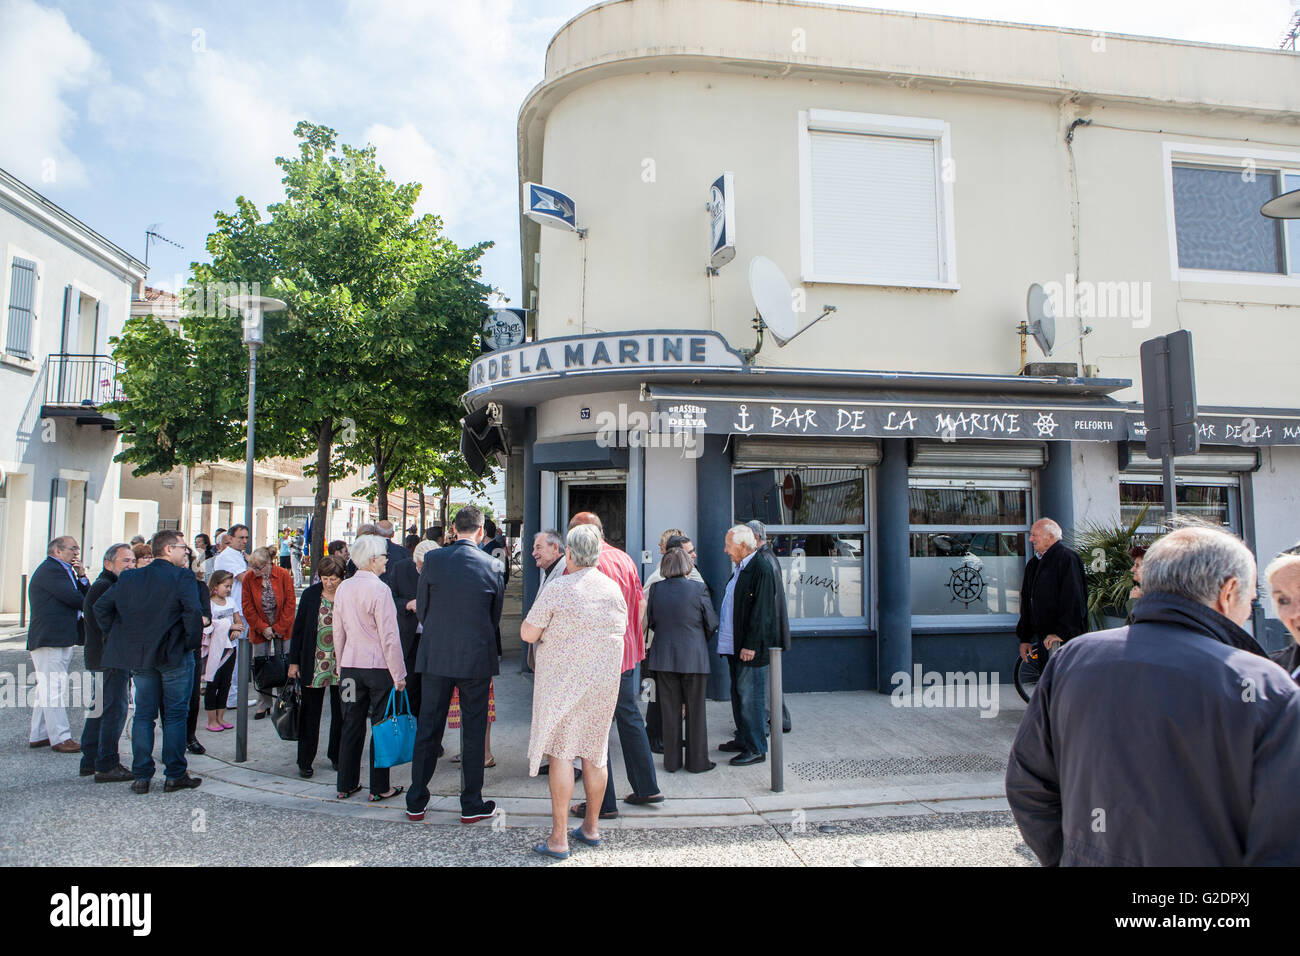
[{"x": 594, "y": 354}]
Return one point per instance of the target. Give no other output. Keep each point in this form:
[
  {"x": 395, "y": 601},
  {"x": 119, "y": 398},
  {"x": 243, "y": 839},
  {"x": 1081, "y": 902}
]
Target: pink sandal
[
  {"x": 227, "y": 726},
  {"x": 217, "y": 729}
]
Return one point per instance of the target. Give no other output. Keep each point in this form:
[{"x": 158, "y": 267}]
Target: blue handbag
[{"x": 392, "y": 740}]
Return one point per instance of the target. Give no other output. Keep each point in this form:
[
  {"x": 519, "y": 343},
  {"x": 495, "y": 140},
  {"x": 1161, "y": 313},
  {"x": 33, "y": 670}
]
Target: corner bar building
[{"x": 894, "y": 453}]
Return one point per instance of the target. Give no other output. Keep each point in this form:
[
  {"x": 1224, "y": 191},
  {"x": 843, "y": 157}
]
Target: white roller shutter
[{"x": 875, "y": 208}]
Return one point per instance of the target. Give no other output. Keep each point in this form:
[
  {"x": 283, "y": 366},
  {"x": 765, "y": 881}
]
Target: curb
[{"x": 771, "y": 810}]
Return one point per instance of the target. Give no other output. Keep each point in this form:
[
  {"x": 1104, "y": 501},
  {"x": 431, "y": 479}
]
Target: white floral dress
[{"x": 579, "y": 665}]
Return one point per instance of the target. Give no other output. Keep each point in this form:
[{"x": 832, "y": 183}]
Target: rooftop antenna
[
  {"x": 150, "y": 236},
  {"x": 1292, "y": 32}
]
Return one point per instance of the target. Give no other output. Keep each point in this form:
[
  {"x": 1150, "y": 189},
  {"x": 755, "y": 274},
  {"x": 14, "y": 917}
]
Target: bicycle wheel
[{"x": 1025, "y": 675}]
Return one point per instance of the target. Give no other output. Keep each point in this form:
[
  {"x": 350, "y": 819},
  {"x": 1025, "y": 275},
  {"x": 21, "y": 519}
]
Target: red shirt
[{"x": 618, "y": 567}]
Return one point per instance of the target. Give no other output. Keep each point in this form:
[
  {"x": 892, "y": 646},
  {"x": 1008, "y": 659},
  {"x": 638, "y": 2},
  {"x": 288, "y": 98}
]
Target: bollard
[
  {"x": 241, "y": 721},
  {"x": 775, "y": 693},
  {"x": 22, "y": 604}
]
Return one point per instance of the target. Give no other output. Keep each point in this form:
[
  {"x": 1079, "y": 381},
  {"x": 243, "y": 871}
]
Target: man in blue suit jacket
[
  {"x": 152, "y": 625},
  {"x": 55, "y": 594},
  {"x": 458, "y": 598}
]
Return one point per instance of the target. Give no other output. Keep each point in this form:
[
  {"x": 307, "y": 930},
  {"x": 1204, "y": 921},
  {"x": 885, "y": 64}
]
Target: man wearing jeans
[
  {"x": 637, "y": 758},
  {"x": 103, "y": 726},
  {"x": 748, "y": 626},
  {"x": 152, "y": 625}
]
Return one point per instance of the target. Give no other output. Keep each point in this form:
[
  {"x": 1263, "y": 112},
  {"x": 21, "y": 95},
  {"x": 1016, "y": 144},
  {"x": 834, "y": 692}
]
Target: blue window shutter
[{"x": 22, "y": 306}]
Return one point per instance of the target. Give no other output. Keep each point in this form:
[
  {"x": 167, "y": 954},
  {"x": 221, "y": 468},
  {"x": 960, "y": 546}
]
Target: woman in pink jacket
[{"x": 369, "y": 652}]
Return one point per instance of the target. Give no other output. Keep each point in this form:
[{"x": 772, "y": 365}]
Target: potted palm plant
[{"x": 1108, "y": 568}]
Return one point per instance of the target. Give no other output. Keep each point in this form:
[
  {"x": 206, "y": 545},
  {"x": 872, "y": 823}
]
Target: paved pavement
[{"x": 866, "y": 783}]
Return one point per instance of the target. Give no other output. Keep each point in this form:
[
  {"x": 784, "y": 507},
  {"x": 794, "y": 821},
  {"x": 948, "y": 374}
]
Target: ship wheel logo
[{"x": 966, "y": 584}]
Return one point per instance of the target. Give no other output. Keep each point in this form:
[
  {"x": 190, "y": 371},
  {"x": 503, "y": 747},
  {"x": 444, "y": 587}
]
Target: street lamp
[{"x": 254, "y": 308}]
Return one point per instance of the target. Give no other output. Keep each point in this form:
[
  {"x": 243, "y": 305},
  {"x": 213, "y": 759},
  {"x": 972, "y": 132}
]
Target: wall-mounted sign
[
  {"x": 550, "y": 207},
  {"x": 504, "y": 328},
  {"x": 722, "y": 220},
  {"x": 1243, "y": 427},
  {"x": 903, "y": 419},
  {"x": 599, "y": 354}
]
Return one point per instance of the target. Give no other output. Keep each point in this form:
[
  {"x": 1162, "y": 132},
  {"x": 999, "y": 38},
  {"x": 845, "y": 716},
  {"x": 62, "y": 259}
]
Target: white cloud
[{"x": 42, "y": 61}]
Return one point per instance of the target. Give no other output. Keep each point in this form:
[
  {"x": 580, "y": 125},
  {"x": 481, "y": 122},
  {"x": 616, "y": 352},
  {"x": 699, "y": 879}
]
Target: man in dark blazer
[
  {"x": 152, "y": 624},
  {"x": 1053, "y": 594},
  {"x": 749, "y": 627},
  {"x": 459, "y": 597},
  {"x": 403, "y": 579},
  {"x": 55, "y": 594},
  {"x": 782, "y": 610},
  {"x": 101, "y": 733},
  {"x": 396, "y": 553}
]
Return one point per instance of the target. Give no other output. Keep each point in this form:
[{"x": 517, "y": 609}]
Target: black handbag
[
  {"x": 270, "y": 672},
  {"x": 286, "y": 712}
]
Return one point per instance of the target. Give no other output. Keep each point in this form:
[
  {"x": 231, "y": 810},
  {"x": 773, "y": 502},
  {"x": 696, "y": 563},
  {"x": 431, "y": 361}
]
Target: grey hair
[
  {"x": 384, "y": 528},
  {"x": 1055, "y": 530},
  {"x": 759, "y": 529},
  {"x": 1280, "y": 563},
  {"x": 741, "y": 534},
  {"x": 1195, "y": 562},
  {"x": 584, "y": 546},
  {"x": 366, "y": 548},
  {"x": 423, "y": 548},
  {"x": 111, "y": 554},
  {"x": 552, "y": 537}
]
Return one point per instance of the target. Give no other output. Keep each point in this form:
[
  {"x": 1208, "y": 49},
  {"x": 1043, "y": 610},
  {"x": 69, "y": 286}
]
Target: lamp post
[{"x": 254, "y": 308}]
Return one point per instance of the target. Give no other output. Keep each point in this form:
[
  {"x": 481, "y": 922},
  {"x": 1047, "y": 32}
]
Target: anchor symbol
[{"x": 740, "y": 425}]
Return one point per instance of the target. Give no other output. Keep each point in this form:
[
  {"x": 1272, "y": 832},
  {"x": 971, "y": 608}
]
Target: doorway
[{"x": 605, "y": 495}]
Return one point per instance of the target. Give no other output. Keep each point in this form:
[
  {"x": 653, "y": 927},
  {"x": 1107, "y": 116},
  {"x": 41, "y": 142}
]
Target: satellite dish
[
  {"x": 1285, "y": 206},
  {"x": 1042, "y": 318},
  {"x": 773, "y": 298}
]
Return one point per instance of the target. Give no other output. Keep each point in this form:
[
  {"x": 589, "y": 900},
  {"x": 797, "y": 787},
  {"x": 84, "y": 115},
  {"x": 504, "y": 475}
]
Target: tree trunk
[
  {"x": 324, "y": 442},
  {"x": 442, "y": 508},
  {"x": 423, "y": 518},
  {"x": 381, "y": 481}
]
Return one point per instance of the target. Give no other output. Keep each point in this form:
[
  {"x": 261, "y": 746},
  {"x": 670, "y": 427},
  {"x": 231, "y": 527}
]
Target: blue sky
[{"x": 132, "y": 113}]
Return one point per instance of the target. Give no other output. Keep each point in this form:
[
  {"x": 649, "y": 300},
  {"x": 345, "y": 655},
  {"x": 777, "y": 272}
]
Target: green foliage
[
  {"x": 1107, "y": 565},
  {"x": 371, "y": 354}
]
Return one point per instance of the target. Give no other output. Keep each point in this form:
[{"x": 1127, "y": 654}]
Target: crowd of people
[{"x": 1181, "y": 709}]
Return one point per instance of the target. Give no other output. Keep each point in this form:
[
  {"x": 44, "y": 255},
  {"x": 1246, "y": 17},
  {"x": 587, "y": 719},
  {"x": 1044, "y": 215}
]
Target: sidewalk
[{"x": 849, "y": 755}]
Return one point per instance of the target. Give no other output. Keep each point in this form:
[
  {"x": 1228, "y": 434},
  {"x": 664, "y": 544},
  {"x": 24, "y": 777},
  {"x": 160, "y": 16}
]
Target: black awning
[
  {"x": 886, "y": 414},
  {"x": 480, "y": 439}
]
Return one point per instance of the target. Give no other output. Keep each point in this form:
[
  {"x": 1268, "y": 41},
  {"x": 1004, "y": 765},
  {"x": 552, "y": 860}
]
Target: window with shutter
[
  {"x": 22, "y": 308},
  {"x": 876, "y": 202}
]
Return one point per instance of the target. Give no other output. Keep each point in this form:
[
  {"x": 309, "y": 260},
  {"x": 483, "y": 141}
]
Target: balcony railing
[{"x": 86, "y": 381}]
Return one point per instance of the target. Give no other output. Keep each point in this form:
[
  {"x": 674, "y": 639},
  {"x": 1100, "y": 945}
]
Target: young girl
[{"x": 219, "y": 641}]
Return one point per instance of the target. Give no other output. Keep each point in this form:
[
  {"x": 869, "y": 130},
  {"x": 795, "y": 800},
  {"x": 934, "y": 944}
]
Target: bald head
[
  {"x": 587, "y": 517},
  {"x": 1044, "y": 534},
  {"x": 385, "y": 528}
]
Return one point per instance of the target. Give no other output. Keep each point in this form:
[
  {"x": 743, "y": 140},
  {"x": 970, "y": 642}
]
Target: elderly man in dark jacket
[
  {"x": 1053, "y": 594},
  {"x": 152, "y": 624},
  {"x": 55, "y": 595},
  {"x": 1171, "y": 742},
  {"x": 107, "y": 717},
  {"x": 782, "y": 610},
  {"x": 749, "y": 626}
]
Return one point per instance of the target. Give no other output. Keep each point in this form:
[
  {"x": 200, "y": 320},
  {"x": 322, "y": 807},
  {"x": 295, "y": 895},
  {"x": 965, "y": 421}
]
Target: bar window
[
  {"x": 816, "y": 524},
  {"x": 967, "y": 549}
]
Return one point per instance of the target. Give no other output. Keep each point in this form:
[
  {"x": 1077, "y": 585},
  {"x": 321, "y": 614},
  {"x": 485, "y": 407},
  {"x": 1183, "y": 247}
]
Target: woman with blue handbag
[{"x": 369, "y": 652}]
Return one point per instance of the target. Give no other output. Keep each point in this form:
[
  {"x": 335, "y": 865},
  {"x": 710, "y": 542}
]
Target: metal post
[
  {"x": 1167, "y": 464},
  {"x": 241, "y": 721},
  {"x": 775, "y": 695}
]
